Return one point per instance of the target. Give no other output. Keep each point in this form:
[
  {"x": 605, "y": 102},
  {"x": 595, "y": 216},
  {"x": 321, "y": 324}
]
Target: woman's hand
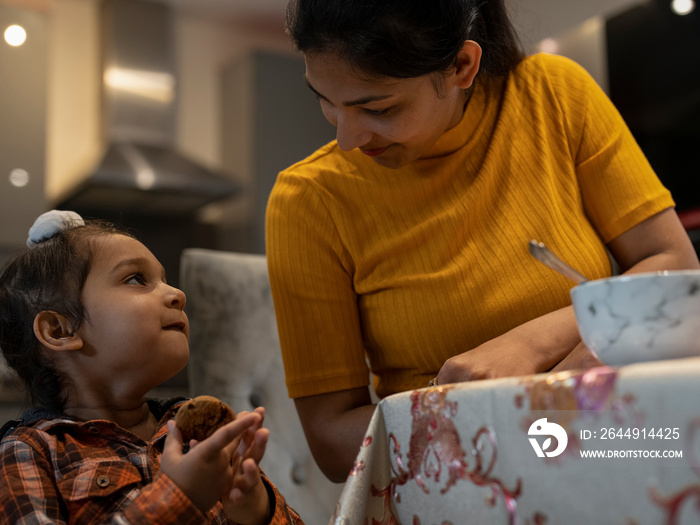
[
  {"x": 248, "y": 502},
  {"x": 533, "y": 347},
  {"x": 206, "y": 473},
  {"x": 506, "y": 356},
  {"x": 491, "y": 360}
]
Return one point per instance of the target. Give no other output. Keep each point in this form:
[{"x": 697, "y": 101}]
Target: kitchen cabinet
[{"x": 270, "y": 120}]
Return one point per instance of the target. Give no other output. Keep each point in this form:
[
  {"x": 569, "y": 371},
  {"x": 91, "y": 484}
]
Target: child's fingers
[
  {"x": 249, "y": 434},
  {"x": 250, "y": 431},
  {"x": 261, "y": 411},
  {"x": 225, "y": 438},
  {"x": 236, "y": 495},
  {"x": 246, "y": 440},
  {"x": 251, "y": 473},
  {"x": 256, "y": 448},
  {"x": 261, "y": 439},
  {"x": 247, "y": 478},
  {"x": 173, "y": 440}
]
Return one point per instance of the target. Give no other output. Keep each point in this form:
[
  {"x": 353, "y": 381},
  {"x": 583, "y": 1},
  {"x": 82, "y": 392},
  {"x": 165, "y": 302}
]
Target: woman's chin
[{"x": 391, "y": 162}]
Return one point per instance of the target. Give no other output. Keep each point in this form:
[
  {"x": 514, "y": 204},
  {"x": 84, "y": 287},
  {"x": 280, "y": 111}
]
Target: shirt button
[{"x": 102, "y": 481}]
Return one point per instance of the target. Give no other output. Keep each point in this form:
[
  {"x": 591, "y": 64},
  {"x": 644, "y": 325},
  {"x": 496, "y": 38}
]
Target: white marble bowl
[{"x": 640, "y": 317}]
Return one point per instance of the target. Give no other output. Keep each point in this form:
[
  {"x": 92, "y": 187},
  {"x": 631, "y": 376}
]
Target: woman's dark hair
[
  {"x": 49, "y": 276},
  {"x": 405, "y": 38}
]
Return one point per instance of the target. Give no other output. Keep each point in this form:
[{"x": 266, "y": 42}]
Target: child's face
[{"x": 135, "y": 328}]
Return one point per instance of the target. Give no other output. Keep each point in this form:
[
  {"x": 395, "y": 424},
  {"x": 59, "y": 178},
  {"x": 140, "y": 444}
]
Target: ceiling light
[
  {"x": 549, "y": 45},
  {"x": 682, "y": 7},
  {"x": 15, "y": 35},
  {"x": 19, "y": 178},
  {"x": 150, "y": 84}
]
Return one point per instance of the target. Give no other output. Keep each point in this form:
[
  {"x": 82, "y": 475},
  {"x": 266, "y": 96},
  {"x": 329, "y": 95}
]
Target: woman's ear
[
  {"x": 54, "y": 332},
  {"x": 467, "y": 64}
]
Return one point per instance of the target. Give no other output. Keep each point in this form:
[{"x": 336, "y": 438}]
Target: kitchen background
[{"x": 179, "y": 131}]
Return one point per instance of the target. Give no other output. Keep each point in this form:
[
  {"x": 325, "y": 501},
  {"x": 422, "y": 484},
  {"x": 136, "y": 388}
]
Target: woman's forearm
[{"x": 335, "y": 425}]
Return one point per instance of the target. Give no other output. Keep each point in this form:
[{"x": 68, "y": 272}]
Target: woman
[{"x": 401, "y": 247}]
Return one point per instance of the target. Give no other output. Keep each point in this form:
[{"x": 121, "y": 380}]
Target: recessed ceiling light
[
  {"x": 15, "y": 35},
  {"x": 682, "y": 7},
  {"x": 19, "y": 178}
]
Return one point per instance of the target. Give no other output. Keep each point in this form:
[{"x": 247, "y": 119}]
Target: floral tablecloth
[{"x": 606, "y": 446}]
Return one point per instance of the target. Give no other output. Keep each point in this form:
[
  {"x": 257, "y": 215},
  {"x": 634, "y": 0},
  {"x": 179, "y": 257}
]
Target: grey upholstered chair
[{"x": 235, "y": 356}]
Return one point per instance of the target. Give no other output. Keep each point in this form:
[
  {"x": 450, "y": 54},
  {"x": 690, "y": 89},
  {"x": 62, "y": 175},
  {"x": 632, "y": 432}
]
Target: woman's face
[{"x": 394, "y": 121}]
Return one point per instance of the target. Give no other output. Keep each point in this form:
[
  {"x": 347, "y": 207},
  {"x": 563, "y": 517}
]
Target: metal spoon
[{"x": 543, "y": 254}]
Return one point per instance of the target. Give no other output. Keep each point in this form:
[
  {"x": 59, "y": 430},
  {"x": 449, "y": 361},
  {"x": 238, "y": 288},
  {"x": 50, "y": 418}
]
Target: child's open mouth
[{"x": 178, "y": 327}]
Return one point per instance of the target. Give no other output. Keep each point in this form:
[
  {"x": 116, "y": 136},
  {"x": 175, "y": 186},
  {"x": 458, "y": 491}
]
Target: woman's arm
[
  {"x": 552, "y": 340},
  {"x": 334, "y": 425},
  {"x": 658, "y": 243}
]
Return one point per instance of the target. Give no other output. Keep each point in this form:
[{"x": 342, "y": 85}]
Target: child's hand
[
  {"x": 206, "y": 473},
  {"x": 248, "y": 502}
]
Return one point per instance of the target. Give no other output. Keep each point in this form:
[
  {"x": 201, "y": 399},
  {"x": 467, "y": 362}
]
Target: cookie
[{"x": 199, "y": 417}]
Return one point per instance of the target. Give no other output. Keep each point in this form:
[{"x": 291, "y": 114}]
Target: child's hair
[
  {"x": 48, "y": 276},
  {"x": 405, "y": 38}
]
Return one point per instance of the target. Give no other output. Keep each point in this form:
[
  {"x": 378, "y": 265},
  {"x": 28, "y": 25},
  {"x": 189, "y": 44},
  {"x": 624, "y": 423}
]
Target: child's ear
[{"x": 54, "y": 332}]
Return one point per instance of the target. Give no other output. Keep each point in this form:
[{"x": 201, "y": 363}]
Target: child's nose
[{"x": 176, "y": 297}]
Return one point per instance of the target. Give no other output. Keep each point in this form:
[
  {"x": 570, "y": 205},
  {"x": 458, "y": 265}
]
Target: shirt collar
[{"x": 159, "y": 407}]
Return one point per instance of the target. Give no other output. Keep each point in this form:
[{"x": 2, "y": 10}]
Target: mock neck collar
[{"x": 474, "y": 117}]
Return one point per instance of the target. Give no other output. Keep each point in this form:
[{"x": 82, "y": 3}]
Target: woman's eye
[{"x": 379, "y": 112}]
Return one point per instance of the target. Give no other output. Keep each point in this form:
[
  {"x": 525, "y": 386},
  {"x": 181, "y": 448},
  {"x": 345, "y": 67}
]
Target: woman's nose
[{"x": 351, "y": 134}]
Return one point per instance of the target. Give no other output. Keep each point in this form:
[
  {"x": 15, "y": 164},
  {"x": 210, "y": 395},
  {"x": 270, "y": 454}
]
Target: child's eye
[{"x": 136, "y": 279}]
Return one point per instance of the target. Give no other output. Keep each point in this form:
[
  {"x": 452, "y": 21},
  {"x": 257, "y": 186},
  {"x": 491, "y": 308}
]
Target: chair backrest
[{"x": 235, "y": 356}]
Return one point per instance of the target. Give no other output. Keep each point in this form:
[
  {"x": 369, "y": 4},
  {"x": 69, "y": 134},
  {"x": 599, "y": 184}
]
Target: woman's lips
[{"x": 374, "y": 152}]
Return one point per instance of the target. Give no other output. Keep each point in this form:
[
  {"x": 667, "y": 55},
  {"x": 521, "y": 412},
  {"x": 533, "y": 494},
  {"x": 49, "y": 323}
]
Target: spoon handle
[{"x": 543, "y": 254}]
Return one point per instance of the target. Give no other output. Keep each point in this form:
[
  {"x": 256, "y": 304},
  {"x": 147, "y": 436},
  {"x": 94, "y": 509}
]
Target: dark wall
[{"x": 654, "y": 72}]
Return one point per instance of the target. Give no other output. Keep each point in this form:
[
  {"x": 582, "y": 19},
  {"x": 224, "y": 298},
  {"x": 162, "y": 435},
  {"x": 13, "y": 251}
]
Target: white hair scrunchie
[{"x": 50, "y": 223}]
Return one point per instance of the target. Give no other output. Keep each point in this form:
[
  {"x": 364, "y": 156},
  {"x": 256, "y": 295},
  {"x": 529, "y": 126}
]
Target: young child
[{"x": 90, "y": 325}]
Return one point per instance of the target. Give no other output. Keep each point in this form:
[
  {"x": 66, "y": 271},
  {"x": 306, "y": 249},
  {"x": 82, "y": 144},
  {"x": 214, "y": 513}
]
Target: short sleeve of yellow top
[{"x": 402, "y": 269}]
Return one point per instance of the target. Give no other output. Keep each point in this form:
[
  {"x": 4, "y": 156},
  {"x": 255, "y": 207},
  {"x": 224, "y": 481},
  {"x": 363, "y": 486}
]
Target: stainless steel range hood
[{"x": 141, "y": 170}]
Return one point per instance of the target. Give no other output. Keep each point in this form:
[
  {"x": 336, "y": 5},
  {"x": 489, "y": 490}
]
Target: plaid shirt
[{"x": 60, "y": 470}]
